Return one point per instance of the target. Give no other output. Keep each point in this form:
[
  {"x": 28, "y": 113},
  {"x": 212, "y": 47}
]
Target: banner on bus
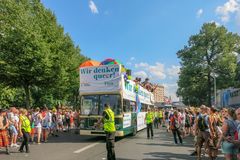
[
  {"x": 141, "y": 121},
  {"x": 130, "y": 93},
  {"x": 127, "y": 119},
  {"x": 106, "y": 78}
]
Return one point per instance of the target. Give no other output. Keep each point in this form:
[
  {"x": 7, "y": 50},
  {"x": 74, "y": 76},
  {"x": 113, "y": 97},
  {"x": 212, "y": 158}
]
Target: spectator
[
  {"x": 175, "y": 126},
  {"x": 24, "y": 130},
  {"x": 229, "y": 149},
  {"x": 37, "y": 118},
  {"x": 3, "y": 130}
]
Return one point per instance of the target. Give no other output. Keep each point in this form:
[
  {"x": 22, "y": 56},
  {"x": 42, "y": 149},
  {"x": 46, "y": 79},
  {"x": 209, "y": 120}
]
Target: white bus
[{"x": 105, "y": 84}]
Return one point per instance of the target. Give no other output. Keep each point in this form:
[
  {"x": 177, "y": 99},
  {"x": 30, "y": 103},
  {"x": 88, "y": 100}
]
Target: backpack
[
  {"x": 235, "y": 132},
  {"x": 187, "y": 120},
  {"x": 174, "y": 123},
  {"x": 202, "y": 124}
]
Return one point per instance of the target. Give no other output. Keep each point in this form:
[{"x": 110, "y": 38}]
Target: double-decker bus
[{"x": 106, "y": 85}]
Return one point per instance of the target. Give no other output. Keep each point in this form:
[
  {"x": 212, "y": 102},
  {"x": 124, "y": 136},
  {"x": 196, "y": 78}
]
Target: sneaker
[
  {"x": 12, "y": 145},
  {"x": 20, "y": 150},
  {"x": 27, "y": 151},
  {"x": 16, "y": 145},
  {"x": 193, "y": 153}
]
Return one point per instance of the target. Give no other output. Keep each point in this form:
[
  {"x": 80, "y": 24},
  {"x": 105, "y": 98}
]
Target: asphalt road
[{"x": 70, "y": 146}]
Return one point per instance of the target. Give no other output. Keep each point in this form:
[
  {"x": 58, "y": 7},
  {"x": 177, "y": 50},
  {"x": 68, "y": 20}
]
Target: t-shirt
[
  {"x": 10, "y": 116},
  {"x": 16, "y": 118},
  {"x": 47, "y": 119}
]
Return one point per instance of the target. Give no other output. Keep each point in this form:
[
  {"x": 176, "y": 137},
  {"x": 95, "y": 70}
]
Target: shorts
[
  {"x": 203, "y": 137},
  {"x": 13, "y": 130},
  {"x": 60, "y": 123},
  {"x": 4, "y": 138},
  {"x": 45, "y": 127},
  {"x": 53, "y": 125},
  {"x": 229, "y": 148},
  {"x": 32, "y": 131},
  {"x": 38, "y": 130}
]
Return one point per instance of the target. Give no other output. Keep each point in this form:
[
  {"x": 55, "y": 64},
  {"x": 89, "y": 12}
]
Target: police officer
[
  {"x": 109, "y": 128},
  {"x": 149, "y": 121}
]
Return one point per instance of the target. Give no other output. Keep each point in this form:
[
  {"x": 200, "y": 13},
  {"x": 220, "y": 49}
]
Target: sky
[{"x": 144, "y": 35}]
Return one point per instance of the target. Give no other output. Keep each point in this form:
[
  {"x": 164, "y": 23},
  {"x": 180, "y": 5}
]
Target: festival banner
[{"x": 106, "y": 78}]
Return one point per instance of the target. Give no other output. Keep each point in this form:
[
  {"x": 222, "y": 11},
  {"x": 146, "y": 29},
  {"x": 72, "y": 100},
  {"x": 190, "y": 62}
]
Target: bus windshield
[{"x": 94, "y": 104}]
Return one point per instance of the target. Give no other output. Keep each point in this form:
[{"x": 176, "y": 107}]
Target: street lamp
[{"x": 214, "y": 76}]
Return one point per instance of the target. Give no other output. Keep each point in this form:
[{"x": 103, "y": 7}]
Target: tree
[
  {"x": 210, "y": 51},
  {"x": 34, "y": 50}
]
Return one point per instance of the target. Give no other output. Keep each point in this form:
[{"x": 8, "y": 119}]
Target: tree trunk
[
  {"x": 27, "y": 96},
  {"x": 209, "y": 91}
]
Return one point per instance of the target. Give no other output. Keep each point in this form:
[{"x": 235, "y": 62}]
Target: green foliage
[
  {"x": 210, "y": 51},
  {"x": 35, "y": 53}
]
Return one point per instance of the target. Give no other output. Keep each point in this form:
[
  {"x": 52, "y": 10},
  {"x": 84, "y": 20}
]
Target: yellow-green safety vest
[
  {"x": 109, "y": 124},
  {"x": 25, "y": 124},
  {"x": 160, "y": 114},
  {"x": 149, "y": 117}
]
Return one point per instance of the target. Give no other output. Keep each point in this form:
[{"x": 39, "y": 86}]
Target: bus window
[
  {"x": 144, "y": 107},
  {"x": 133, "y": 106},
  {"x": 126, "y": 106},
  {"x": 114, "y": 102},
  {"x": 89, "y": 105}
]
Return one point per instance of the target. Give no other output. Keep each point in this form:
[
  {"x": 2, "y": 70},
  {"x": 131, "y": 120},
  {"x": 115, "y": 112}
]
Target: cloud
[
  {"x": 173, "y": 71},
  {"x": 129, "y": 63},
  {"x": 93, "y": 7},
  {"x": 156, "y": 70},
  {"x": 199, "y": 13},
  {"x": 142, "y": 64},
  {"x": 217, "y": 24},
  {"x": 170, "y": 90},
  {"x": 231, "y": 7},
  {"x": 132, "y": 58},
  {"x": 140, "y": 74}
]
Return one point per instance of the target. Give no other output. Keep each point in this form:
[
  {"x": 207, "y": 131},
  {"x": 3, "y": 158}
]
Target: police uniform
[{"x": 109, "y": 128}]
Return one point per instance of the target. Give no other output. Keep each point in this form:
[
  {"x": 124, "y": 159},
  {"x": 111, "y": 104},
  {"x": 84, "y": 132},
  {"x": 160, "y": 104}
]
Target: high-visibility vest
[
  {"x": 156, "y": 114},
  {"x": 25, "y": 124},
  {"x": 149, "y": 117},
  {"x": 109, "y": 124},
  {"x": 160, "y": 114}
]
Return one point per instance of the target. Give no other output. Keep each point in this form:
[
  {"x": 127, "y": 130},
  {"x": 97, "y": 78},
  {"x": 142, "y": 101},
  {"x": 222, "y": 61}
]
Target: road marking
[{"x": 85, "y": 148}]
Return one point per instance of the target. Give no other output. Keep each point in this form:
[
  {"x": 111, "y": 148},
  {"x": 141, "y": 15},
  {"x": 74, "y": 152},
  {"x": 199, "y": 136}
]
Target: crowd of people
[
  {"x": 212, "y": 129},
  {"x": 34, "y": 125}
]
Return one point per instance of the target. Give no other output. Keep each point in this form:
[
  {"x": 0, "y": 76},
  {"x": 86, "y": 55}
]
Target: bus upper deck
[{"x": 106, "y": 84}]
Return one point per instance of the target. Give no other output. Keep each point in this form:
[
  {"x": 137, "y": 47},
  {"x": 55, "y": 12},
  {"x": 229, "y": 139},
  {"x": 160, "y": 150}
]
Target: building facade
[{"x": 159, "y": 93}]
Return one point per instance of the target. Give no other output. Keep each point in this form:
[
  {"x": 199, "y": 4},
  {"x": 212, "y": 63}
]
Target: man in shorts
[{"x": 202, "y": 130}]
